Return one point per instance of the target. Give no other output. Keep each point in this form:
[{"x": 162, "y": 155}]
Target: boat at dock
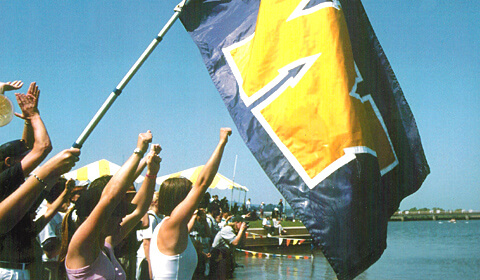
[{"x": 258, "y": 237}]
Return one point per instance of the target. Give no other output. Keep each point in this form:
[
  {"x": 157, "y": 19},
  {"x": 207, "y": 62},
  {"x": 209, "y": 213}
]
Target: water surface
[{"x": 415, "y": 250}]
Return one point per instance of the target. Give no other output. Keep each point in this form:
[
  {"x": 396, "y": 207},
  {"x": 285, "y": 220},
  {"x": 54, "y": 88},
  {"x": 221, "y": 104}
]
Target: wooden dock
[{"x": 257, "y": 237}]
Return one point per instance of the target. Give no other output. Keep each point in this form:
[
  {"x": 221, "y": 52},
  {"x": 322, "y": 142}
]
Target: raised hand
[
  {"x": 10, "y": 86},
  {"x": 156, "y": 148},
  {"x": 59, "y": 164},
  {"x": 69, "y": 186},
  {"x": 28, "y": 103},
  {"x": 35, "y": 92},
  {"x": 224, "y": 133},
  {"x": 153, "y": 160},
  {"x": 244, "y": 226},
  {"x": 143, "y": 140}
]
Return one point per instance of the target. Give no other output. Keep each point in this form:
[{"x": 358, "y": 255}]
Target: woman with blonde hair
[{"x": 172, "y": 253}]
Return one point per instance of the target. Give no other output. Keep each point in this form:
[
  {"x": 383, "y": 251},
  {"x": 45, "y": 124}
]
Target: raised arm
[
  {"x": 10, "y": 86},
  {"x": 192, "y": 221},
  {"x": 240, "y": 234},
  {"x": 84, "y": 248},
  {"x": 184, "y": 211},
  {"x": 35, "y": 134},
  {"x": 141, "y": 167},
  {"x": 143, "y": 198},
  {"x": 172, "y": 237},
  {"x": 15, "y": 206},
  {"x": 53, "y": 208}
]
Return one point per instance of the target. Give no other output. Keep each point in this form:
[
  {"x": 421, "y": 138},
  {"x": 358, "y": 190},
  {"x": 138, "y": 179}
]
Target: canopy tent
[
  {"x": 220, "y": 182},
  {"x": 95, "y": 170}
]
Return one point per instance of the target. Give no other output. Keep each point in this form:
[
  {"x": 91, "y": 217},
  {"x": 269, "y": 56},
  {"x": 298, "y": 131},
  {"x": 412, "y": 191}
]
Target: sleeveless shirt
[
  {"x": 103, "y": 268},
  {"x": 181, "y": 266}
]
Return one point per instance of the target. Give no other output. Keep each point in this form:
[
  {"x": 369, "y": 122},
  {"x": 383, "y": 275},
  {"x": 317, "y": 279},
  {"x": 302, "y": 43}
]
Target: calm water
[{"x": 415, "y": 250}]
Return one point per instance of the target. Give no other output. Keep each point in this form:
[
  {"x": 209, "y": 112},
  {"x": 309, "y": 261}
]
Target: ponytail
[{"x": 70, "y": 224}]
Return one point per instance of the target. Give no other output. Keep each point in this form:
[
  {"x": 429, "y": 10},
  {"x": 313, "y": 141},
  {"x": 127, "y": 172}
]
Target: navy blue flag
[{"x": 316, "y": 101}]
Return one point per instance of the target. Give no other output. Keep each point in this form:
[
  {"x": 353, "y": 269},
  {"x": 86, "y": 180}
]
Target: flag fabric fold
[{"x": 315, "y": 99}]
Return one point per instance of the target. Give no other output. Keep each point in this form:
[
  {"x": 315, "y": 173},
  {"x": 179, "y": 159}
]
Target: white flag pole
[{"x": 118, "y": 90}]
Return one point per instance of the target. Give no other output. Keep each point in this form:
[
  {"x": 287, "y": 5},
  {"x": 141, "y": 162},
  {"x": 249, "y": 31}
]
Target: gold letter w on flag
[{"x": 297, "y": 75}]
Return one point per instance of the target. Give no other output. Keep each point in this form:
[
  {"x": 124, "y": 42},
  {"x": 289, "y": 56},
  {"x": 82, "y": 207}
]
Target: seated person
[
  {"x": 278, "y": 226},
  {"x": 268, "y": 225}
]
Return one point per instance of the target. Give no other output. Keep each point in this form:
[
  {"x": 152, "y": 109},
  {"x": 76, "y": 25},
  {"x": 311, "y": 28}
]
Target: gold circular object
[{"x": 6, "y": 110}]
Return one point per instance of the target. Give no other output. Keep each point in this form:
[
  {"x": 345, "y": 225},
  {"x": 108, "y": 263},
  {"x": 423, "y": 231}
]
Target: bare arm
[
  {"x": 240, "y": 234},
  {"x": 80, "y": 250},
  {"x": 145, "y": 222},
  {"x": 141, "y": 167},
  {"x": 10, "y": 86},
  {"x": 28, "y": 133},
  {"x": 175, "y": 227},
  {"x": 41, "y": 222},
  {"x": 184, "y": 210},
  {"x": 191, "y": 222},
  {"x": 15, "y": 206},
  {"x": 143, "y": 198},
  {"x": 35, "y": 134}
]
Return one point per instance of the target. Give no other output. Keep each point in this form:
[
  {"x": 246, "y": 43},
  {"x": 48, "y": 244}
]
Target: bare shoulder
[{"x": 172, "y": 239}]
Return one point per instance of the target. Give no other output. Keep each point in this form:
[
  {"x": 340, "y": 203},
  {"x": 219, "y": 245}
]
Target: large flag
[{"x": 316, "y": 101}]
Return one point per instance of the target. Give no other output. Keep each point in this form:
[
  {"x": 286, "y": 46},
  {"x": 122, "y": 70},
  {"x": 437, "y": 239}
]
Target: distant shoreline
[{"x": 427, "y": 216}]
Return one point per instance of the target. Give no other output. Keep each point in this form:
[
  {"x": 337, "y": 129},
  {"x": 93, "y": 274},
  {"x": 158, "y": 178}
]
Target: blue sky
[{"x": 78, "y": 51}]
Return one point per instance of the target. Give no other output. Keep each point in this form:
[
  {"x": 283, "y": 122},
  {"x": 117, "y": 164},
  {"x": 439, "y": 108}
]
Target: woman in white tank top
[
  {"x": 171, "y": 251},
  {"x": 180, "y": 266}
]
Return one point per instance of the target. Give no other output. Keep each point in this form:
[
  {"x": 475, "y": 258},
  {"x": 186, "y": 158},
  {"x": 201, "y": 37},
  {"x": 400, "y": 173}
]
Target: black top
[{"x": 17, "y": 245}]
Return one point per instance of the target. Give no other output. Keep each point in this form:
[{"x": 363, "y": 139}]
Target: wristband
[
  {"x": 151, "y": 176},
  {"x": 138, "y": 152},
  {"x": 45, "y": 186}
]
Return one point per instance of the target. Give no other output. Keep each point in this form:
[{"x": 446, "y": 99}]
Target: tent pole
[
  {"x": 244, "y": 197},
  {"x": 239, "y": 196},
  {"x": 118, "y": 90}
]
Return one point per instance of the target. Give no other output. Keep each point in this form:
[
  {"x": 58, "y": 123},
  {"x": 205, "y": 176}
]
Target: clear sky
[{"x": 78, "y": 51}]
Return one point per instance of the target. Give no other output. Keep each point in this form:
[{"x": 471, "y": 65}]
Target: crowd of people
[
  {"x": 216, "y": 233},
  {"x": 53, "y": 228}
]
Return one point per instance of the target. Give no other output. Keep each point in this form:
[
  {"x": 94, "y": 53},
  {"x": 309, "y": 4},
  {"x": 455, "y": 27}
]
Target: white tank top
[{"x": 181, "y": 266}]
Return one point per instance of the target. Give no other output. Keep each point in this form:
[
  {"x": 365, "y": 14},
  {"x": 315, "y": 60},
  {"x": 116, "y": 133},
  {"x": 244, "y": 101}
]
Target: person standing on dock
[{"x": 262, "y": 208}]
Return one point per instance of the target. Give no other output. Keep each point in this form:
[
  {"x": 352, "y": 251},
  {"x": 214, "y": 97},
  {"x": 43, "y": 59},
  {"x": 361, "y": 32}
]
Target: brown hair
[
  {"x": 154, "y": 203},
  {"x": 69, "y": 226},
  {"x": 171, "y": 193},
  {"x": 56, "y": 190},
  {"x": 83, "y": 207}
]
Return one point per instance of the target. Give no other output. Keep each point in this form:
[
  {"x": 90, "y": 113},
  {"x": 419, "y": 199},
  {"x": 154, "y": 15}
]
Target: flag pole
[{"x": 118, "y": 90}]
